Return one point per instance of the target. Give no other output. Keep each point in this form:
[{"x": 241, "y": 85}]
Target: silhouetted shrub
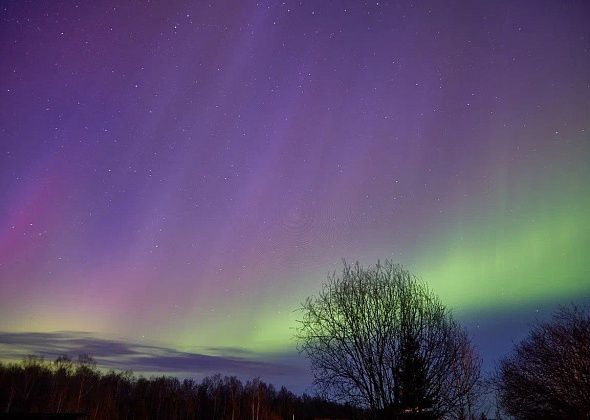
[{"x": 548, "y": 373}]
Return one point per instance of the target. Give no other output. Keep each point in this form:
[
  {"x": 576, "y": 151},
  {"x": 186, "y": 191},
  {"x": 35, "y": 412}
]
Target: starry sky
[{"x": 176, "y": 177}]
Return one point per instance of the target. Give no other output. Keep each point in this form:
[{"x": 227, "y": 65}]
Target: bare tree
[
  {"x": 379, "y": 338},
  {"x": 548, "y": 373}
]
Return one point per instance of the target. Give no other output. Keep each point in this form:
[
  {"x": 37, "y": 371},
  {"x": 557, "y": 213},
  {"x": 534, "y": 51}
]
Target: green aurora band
[{"x": 538, "y": 254}]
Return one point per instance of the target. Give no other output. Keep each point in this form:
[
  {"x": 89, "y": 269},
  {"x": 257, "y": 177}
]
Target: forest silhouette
[{"x": 36, "y": 385}]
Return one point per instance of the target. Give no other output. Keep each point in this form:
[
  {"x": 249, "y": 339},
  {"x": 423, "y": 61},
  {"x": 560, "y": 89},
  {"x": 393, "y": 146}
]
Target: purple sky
[{"x": 180, "y": 175}]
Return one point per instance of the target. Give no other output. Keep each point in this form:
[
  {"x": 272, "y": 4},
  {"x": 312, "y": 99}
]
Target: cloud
[{"x": 145, "y": 358}]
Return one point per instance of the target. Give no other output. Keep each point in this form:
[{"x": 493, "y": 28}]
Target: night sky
[{"x": 176, "y": 177}]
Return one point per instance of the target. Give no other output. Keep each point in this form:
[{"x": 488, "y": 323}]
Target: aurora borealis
[{"x": 185, "y": 173}]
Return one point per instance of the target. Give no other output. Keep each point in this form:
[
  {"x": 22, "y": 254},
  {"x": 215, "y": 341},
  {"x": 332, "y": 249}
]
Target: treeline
[{"x": 65, "y": 386}]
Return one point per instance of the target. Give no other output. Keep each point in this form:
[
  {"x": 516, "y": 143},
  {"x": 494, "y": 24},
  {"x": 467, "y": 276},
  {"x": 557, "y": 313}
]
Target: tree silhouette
[
  {"x": 379, "y": 338},
  {"x": 548, "y": 373}
]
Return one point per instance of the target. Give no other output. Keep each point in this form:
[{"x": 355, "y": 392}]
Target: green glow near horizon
[{"x": 488, "y": 267}]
